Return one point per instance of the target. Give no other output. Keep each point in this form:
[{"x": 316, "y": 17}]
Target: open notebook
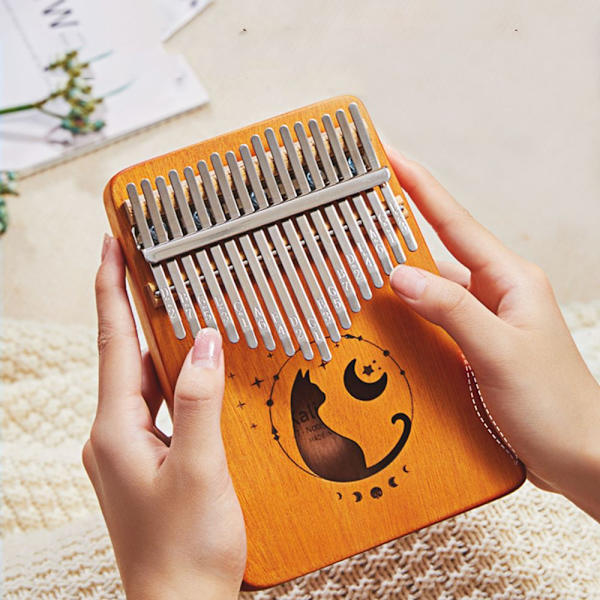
[{"x": 145, "y": 84}]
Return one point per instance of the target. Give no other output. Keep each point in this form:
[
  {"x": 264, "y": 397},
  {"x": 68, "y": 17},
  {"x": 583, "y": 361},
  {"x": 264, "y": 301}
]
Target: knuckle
[
  {"x": 537, "y": 275},
  {"x": 87, "y": 456},
  {"x": 454, "y": 221},
  {"x": 106, "y": 334},
  {"x": 101, "y": 282},
  {"x": 192, "y": 392},
  {"x": 101, "y": 443},
  {"x": 210, "y": 474},
  {"x": 452, "y": 300}
]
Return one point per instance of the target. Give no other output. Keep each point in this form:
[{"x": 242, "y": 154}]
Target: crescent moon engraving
[
  {"x": 359, "y": 389},
  {"x": 339, "y": 495},
  {"x": 405, "y": 469},
  {"x": 392, "y": 481},
  {"x": 358, "y": 496}
]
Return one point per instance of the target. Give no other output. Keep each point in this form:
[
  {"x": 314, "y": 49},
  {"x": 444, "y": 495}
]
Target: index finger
[
  {"x": 120, "y": 369},
  {"x": 469, "y": 241}
]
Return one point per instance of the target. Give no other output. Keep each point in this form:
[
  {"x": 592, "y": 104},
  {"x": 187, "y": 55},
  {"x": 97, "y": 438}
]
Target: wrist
[
  {"x": 182, "y": 586},
  {"x": 579, "y": 475}
]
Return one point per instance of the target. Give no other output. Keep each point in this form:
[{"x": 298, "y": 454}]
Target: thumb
[
  {"x": 472, "y": 325},
  {"x": 196, "y": 440}
]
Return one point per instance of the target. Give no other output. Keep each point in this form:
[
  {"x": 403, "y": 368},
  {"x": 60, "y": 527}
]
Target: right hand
[{"x": 501, "y": 311}]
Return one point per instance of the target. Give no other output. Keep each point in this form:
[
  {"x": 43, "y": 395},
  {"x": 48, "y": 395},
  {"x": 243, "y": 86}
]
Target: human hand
[
  {"x": 501, "y": 311},
  {"x": 173, "y": 517}
]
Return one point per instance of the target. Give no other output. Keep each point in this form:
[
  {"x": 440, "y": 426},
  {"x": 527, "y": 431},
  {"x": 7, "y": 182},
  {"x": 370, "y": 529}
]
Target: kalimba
[{"x": 348, "y": 420}]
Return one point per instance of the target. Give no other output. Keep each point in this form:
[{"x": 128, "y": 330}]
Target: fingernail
[
  {"x": 207, "y": 348},
  {"x": 408, "y": 281},
  {"x": 105, "y": 245}
]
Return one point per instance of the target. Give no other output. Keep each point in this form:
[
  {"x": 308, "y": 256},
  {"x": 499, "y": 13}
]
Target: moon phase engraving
[
  {"x": 392, "y": 481},
  {"x": 405, "y": 469},
  {"x": 376, "y": 492},
  {"x": 358, "y": 496},
  {"x": 359, "y": 389}
]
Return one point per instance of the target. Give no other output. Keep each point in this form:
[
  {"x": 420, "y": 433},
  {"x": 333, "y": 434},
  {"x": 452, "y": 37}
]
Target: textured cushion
[{"x": 530, "y": 544}]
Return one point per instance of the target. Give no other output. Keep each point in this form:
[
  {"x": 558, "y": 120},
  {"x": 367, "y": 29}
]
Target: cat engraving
[{"x": 325, "y": 452}]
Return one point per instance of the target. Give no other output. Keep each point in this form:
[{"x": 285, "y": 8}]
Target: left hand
[{"x": 173, "y": 517}]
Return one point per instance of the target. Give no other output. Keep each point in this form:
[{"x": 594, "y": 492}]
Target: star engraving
[
  {"x": 253, "y": 426},
  {"x": 367, "y": 370},
  {"x": 257, "y": 382},
  {"x": 231, "y": 375},
  {"x": 241, "y": 404}
]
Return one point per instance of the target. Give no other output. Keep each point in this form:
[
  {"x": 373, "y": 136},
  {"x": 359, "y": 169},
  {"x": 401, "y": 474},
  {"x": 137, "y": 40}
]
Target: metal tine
[
  {"x": 202, "y": 255},
  {"x": 190, "y": 178},
  {"x": 372, "y": 196},
  {"x": 339, "y": 232},
  {"x": 233, "y": 252},
  {"x": 234, "y": 296},
  {"x": 284, "y": 296},
  {"x": 348, "y": 251},
  {"x": 309, "y": 159},
  {"x": 319, "y": 223},
  {"x": 316, "y": 292},
  {"x": 253, "y": 180},
  {"x": 263, "y": 163},
  {"x": 270, "y": 263},
  {"x": 157, "y": 270},
  {"x": 238, "y": 182},
  {"x": 361, "y": 244},
  {"x": 189, "y": 226},
  {"x": 265, "y": 291},
  {"x": 226, "y": 192},
  {"x": 217, "y": 294},
  {"x": 336, "y": 262},
  {"x": 299, "y": 253},
  {"x": 336, "y": 148},
  {"x": 175, "y": 227},
  {"x": 313, "y": 285},
  {"x": 308, "y": 236},
  {"x": 323, "y": 270},
  {"x": 298, "y": 289},
  {"x": 358, "y": 200},
  {"x": 255, "y": 307},
  {"x": 257, "y": 272},
  {"x": 373, "y": 163},
  {"x": 344, "y": 169},
  {"x": 210, "y": 192},
  {"x": 284, "y": 176},
  {"x": 172, "y": 266},
  {"x": 297, "y": 169},
  {"x": 217, "y": 252}
]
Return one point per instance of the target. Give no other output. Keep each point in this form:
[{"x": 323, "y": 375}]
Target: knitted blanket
[{"x": 530, "y": 544}]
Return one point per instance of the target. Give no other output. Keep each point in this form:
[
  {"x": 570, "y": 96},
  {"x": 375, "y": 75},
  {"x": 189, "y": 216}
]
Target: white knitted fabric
[{"x": 530, "y": 544}]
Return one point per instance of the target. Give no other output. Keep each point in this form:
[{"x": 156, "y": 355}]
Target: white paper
[
  {"x": 174, "y": 14},
  {"x": 33, "y": 33}
]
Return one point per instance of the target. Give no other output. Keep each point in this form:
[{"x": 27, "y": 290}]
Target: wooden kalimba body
[{"x": 348, "y": 420}]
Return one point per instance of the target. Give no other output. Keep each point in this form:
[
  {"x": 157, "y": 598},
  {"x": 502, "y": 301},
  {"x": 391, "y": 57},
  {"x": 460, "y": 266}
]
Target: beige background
[{"x": 500, "y": 99}]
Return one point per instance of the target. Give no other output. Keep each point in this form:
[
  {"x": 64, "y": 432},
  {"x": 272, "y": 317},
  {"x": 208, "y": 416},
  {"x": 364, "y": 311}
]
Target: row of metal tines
[{"x": 227, "y": 230}]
